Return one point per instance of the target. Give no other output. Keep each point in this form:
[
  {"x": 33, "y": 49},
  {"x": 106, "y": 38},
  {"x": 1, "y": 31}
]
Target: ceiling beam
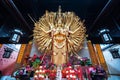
[
  {"x": 116, "y": 23},
  {"x": 17, "y": 14},
  {"x": 105, "y": 10}
]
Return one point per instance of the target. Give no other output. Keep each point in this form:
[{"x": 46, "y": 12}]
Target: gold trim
[
  {"x": 101, "y": 57},
  {"x": 21, "y": 53},
  {"x": 92, "y": 53},
  {"x": 1, "y": 45}
]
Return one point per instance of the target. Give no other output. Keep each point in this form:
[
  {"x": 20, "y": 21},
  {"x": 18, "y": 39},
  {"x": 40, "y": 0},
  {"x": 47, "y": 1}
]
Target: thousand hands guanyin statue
[{"x": 59, "y": 34}]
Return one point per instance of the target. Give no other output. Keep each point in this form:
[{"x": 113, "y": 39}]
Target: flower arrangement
[
  {"x": 43, "y": 67},
  {"x": 82, "y": 61},
  {"x": 40, "y": 73},
  {"x": 69, "y": 73}
]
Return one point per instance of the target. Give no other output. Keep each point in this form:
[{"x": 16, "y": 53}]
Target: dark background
[{"x": 98, "y": 14}]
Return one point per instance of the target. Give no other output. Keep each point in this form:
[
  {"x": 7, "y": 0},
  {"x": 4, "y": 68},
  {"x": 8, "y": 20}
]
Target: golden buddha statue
[{"x": 60, "y": 34}]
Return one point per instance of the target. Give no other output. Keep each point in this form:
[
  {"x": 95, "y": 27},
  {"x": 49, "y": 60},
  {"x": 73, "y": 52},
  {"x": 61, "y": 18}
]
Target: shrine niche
[{"x": 59, "y": 34}]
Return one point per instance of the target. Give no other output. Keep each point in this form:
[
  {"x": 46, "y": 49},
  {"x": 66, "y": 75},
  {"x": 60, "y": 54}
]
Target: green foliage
[
  {"x": 85, "y": 62},
  {"x": 36, "y": 63}
]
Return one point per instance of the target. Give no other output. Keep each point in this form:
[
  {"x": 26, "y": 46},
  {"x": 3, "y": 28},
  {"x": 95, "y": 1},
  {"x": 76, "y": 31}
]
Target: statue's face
[
  {"x": 59, "y": 38},
  {"x": 59, "y": 35}
]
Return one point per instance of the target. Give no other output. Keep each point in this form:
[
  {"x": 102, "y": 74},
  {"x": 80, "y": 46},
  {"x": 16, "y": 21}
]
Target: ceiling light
[
  {"x": 15, "y": 37},
  {"x": 104, "y": 33}
]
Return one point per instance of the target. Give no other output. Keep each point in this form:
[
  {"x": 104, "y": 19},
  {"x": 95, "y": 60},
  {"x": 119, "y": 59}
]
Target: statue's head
[{"x": 59, "y": 18}]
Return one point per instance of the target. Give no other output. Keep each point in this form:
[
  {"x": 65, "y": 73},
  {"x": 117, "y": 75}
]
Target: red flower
[
  {"x": 68, "y": 64},
  {"x": 52, "y": 74},
  {"x": 34, "y": 57},
  {"x": 41, "y": 57}
]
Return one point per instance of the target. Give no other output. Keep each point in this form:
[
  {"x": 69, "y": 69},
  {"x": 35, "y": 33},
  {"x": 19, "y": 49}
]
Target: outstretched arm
[
  {"x": 48, "y": 42},
  {"x": 45, "y": 31},
  {"x": 72, "y": 32},
  {"x": 42, "y": 28},
  {"x": 71, "y": 43}
]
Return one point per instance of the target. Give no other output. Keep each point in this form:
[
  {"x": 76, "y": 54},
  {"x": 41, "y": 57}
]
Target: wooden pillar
[
  {"x": 101, "y": 57},
  {"x": 24, "y": 50},
  {"x": 0, "y": 45},
  {"x": 21, "y": 53},
  {"x": 92, "y": 53},
  {"x": 26, "y": 53}
]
